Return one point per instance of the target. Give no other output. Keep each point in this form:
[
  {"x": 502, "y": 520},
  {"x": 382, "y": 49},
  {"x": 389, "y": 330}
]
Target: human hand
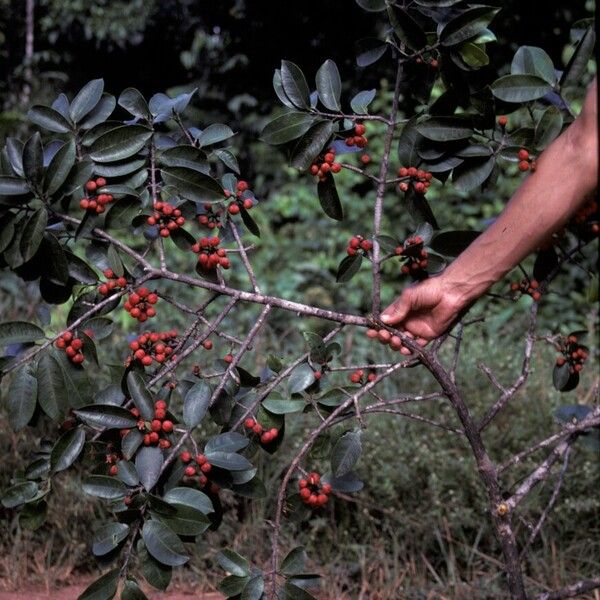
[{"x": 425, "y": 310}]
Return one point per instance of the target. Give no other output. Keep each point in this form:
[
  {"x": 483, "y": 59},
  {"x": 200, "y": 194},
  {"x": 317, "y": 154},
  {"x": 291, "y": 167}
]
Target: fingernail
[{"x": 386, "y": 318}]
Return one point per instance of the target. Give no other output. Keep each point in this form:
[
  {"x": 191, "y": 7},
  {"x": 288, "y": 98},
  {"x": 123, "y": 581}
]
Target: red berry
[
  {"x": 91, "y": 186},
  {"x": 360, "y": 129},
  {"x": 77, "y": 359},
  {"x": 302, "y": 483},
  {"x": 249, "y": 423},
  {"x": 100, "y": 182},
  {"x": 167, "y": 426},
  {"x": 113, "y": 470},
  {"x": 228, "y": 358},
  {"x": 502, "y": 121},
  {"x": 160, "y": 404},
  {"x": 523, "y": 154},
  {"x": 305, "y": 494},
  {"x": 207, "y": 344},
  {"x": 365, "y": 159},
  {"x": 206, "y": 467},
  {"x": 185, "y": 456},
  {"x": 190, "y": 471},
  {"x": 523, "y": 166},
  {"x": 257, "y": 428},
  {"x": 233, "y": 209},
  {"x": 153, "y": 437},
  {"x": 326, "y": 489}
]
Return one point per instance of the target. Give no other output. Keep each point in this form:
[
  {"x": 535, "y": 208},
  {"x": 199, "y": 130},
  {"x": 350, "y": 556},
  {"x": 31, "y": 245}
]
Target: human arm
[{"x": 566, "y": 173}]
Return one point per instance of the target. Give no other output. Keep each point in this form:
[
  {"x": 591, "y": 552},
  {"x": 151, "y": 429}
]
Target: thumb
[{"x": 397, "y": 311}]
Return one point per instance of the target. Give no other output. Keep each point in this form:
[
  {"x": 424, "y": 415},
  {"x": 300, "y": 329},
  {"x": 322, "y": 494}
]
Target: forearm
[{"x": 566, "y": 174}]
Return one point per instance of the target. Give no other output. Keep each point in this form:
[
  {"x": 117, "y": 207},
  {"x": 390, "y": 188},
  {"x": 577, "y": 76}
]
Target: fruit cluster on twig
[
  {"x": 93, "y": 202},
  {"x": 312, "y": 491}
]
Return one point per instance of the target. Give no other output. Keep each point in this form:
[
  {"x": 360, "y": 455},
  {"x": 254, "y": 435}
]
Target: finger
[
  {"x": 397, "y": 311},
  {"x": 422, "y": 341}
]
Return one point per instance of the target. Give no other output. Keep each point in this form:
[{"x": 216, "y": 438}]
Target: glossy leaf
[
  {"x": 59, "y": 167},
  {"x": 329, "y": 198},
  {"x": 103, "y": 588},
  {"x": 345, "y": 453},
  {"x": 249, "y": 222},
  {"x": 348, "y": 268},
  {"x": 445, "y": 129},
  {"x": 67, "y": 449},
  {"x": 233, "y": 563},
  {"x": 301, "y": 378},
  {"x": 230, "y": 441},
  {"x": 155, "y": 573},
  {"x": 361, "y": 101},
  {"x": 106, "y": 416},
  {"x": 86, "y": 100},
  {"x": 131, "y": 442},
  {"x": 520, "y": 88},
  {"x": 134, "y": 103},
  {"x": 409, "y": 32},
  {"x": 452, "y": 243},
  {"x": 132, "y": 591},
  {"x": 192, "y": 184},
  {"x": 293, "y": 563},
  {"x": 254, "y": 589},
  {"x": 229, "y": 461},
  {"x": 473, "y": 173},
  {"x": 196, "y": 403},
  {"x": 119, "y": 143},
  {"x": 287, "y": 127},
  {"x": 13, "y": 186},
  {"x": 548, "y": 127},
  {"x": 529, "y": 60},
  {"x": 294, "y": 85},
  {"x": 48, "y": 118},
  {"x": 163, "y": 544},
  {"x": 21, "y": 398},
  {"x": 100, "y": 113},
  {"x": 187, "y": 496},
  {"x": 282, "y": 406},
  {"x": 372, "y": 5},
  {"x": 562, "y": 378},
  {"x": 369, "y": 51},
  {"x": 148, "y": 463},
  {"x": 467, "y": 24},
  {"x": 52, "y": 394},
  {"x": 213, "y": 134},
  {"x": 108, "y": 537},
  {"x": 578, "y": 62},
  {"x": 140, "y": 395},
  {"x": 19, "y": 494},
  {"x": 103, "y": 486},
  {"x": 33, "y": 233},
  {"x": 19, "y": 332},
  {"x": 33, "y": 159},
  {"x": 329, "y": 85},
  {"x": 473, "y": 55},
  {"x": 310, "y": 144}
]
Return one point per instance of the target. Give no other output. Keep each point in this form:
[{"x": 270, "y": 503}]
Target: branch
[
  {"x": 571, "y": 591},
  {"x": 244, "y": 257}
]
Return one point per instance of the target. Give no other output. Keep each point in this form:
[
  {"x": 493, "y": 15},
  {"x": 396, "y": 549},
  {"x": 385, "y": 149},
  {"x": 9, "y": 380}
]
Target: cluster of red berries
[
  {"x": 325, "y": 163},
  {"x": 256, "y": 428},
  {"x": 358, "y": 376},
  {"x": 572, "y": 353},
  {"x": 526, "y": 286},
  {"x": 95, "y": 203},
  {"x": 526, "y": 163},
  {"x": 150, "y": 346},
  {"x": 112, "y": 282},
  {"x": 242, "y": 200},
  {"x": 588, "y": 215},
  {"x": 210, "y": 218},
  {"x": 414, "y": 254},
  {"x": 419, "y": 179},
  {"x": 432, "y": 62},
  {"x": 72, "y": 346},
  {"x": 166, "y": 217},
  {"x": 386, "y": 338},
  {"x": 111, "y": 460},
  {"x": 359, "y": 140},
  {"x": 210, "y": 256},
  {"x": 312, "y": 492},
  {"x": 156, "y": 429},
  {"x": 357, "y": 243},
  {"x": 204, "y": 467},
  {"x": 140, "y": 304}
]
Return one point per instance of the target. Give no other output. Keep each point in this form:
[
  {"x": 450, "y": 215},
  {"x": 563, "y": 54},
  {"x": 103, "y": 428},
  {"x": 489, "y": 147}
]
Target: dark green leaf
[
  {"x": 301, "y": 378},
  {"x": 473, "y": 55},
  {"x": 230, "y": 461},
  {"x": 213, "y": 134},
  {"x": 128, "y": 473},
  {"x": 67, "y": 449},
  {"x": 19, "y": 332},
  {"x": 467, "y": 25},
  {"x": 369, "y": 51},
  {"x": 409, "y": 32},
  {"x": 287, "y": 127},
  {"x": 21, "y": 398},
  {"x": 345, "y": 453},
  {"x": 140, "y": 395},
  {"x": 283, "y": 407},
  {"x": 86, "y": 100},
  {"x": 294, "y": 85},
  {"x": 13, "y": 186},
  {"x": 190, "y": 497},
  {"x": 452, "y": 243},
  {"x": 33, "y": 233},
  {"x": 108, "y": 537},
  {"x": 106, "y": 416},
  {"x": 196, "y": 403},
  {"x": 192, "y": 184},
  {"x": 119, "y": 143},
  {"x": 529, "y": 60},
  {"x": 278, "y": 87},
  {"x": 329, "y": 85},
  {"x": 131, "y": 591},
  {"x": 155, "y": 573},
  {"x": 33, "y": 515},
  {"x": 249, "y": 222},
  {"x": 233, "y": 586},
  {"x": 562, "y": 378},
  {"x": 329, "y": 198},
  {"x": 163, "y": 544},
  {"x": 545, "y": 263},
  {"x": 578, "y": 63},
  {"x": 520, "y": 88},
  {"x": 230, "y": 441},
  {"x": 293, "y": 592},
  {"x": 19, "y": 494},
  {"x": 103, "y": 588},
  {"x": 48, "y": 118},
  {"x": 148, "y": 463},
  {"x": 186, "y": 520},
  {"x": 548, "y": 128},
  {"x": 103, "y": 486},
  {"x": 361, "y": 101},
  {"x": 80, "y": 270},
  {"x": 348, "y": 268},
  {"x": 409, "y": 143},
  {"x": 33, "y": 159},
  {"x": 347, "y": 483},
  {"x": 131, "y": 442},
  {"x": 59, "y": 167},
  {"x": 122, "y": 213},
  {"x": 472, "y": 173},
  {"x": 293, "y": 563},
  {"x": 100, "y": 113},
  {"x": 7, "y": 230},
  {"x": 52, "y": 394},
  {"x": 134, "y": 103},
  {"x": 445, "y": 129},
  {"x": 227, "y": 158},
  {"x": 310, "y": 144},
  {"x": 372, "y": 5},
  {"x": 233, "y": 563},
  {"x": 254, "y": 589}
]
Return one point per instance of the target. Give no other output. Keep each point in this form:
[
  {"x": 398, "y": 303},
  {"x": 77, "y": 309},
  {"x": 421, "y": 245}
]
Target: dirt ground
[{"x": 72, "y": 592}]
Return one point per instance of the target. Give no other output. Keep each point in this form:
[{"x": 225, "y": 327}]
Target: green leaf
[
  {"x": 529, "y": 60},
  {"x": 372, "y": 5},
  {"x": 562, "y": 378},
  {"x": 348, "y": 268},
  {"x": 406, "y": 28},
  {"x": 190, "y": 497},
  {"x": 106, "y": 416},
  {"x": 472, "y": 173},
  {"x": 229, "y": 461},
  {"x": 196, "y": 403},
  {"x": 19, "y": 494},
  {"x": 467, "y": 25},
  {"x": 163, "y": 544},
  {"x": 192, "y": 184},
  {"x": 186, "y": 520},
  {"x": 13, "y": 186},
  {"x": 155, "y": 573},
  {"x": 52, "y": 394},
  {"x": 293, "y": 563},
  {"x": 21, "y": 398},
  {"x": 131, "y": 591},
  {"x": 103, "y": 588},
  {"x": 408, "y": 144},
  {"x": 100, "y": 113},
  {"x": 108, "y": 537},
  {"x": 33, "y": 233},
  {"x": 278, "y": 87},
  {"x": 59, "y": 167},
  {"x": 548, "y": 127},
  {"x": 119, "y": 169},
  {"x": 369, "y": 51},
  {"x": 452, "y": 243},
  {"x": 361, "y": 101},
  {"x": 294, "y": 85},
  {"x": 131, "y": 442},
  {"x": 287, "y": 127},
  {"x": 329, "y": 198},
  {"x": 213, "y": 134},
  {"x": 148, "y": 463},
  {"x": 80, "y": 270},
  {"x": 33, "y": 515},
  {"x": 7, "y": 230},
  {"x": 254, "y": 589},
  {"x": 128, "y": 473},
  {"x": 48, "y": 118},
  {"x": 249, "y": 222},
  {"x": 345, "y": 453},
  {"x": 348, "y": 483},
  {"x": 19, "y": 332},
  {"x": 233, "y": 586},
  {"x": 86, "y": 100},
  {"x": 520, "y": 88},
  {"x": 122, "y": 213},
  {"x": 140, "y": 395},
  {"x": 134, "y": 103},
  {"x": 473, "y": 55},
  {"x": 445, "y": 129},
  {"x": 103, "y": 486},
  {"x": 293, "y": 592},
  {"x": 301, "y": 378},
  {"x": 33, "y": 159},
  {"x": 67, "y": 449},
  {"x": 119, "y": 143},
  {"x": 310, "y": 144},
  {"x": 577, "y": 65},
  {"x": 233, "y": 563},
  {"x": 283, "y": 407},
  {"x": 329, "y": 85},
  {"x": 230, "y": 441}
]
